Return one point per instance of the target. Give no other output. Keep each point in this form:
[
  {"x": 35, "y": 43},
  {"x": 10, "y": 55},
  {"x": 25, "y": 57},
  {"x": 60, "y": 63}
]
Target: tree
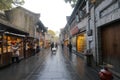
[
  {"x": 51, "y": 32},
  {"x": 56, "y": 38},
  {"x": 72, "y": 2},
  {"x": 7, "y": 4}
]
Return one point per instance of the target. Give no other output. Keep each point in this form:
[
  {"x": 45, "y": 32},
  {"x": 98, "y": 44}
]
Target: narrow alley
[
  {"x": 86, "y": 34},
  {"x": 43, "y": 66},
  {"x": 50, "y": 66}
]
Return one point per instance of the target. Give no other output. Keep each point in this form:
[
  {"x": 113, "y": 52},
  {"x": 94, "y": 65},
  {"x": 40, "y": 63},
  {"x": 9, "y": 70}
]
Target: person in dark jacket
[
  {"x": 62, "y": 45},
  {"x": 56, "y": 45},
  {"x": 52, "y": 45},
  {"x": 70, "y": 47},
  {"x": 37, "y": 49}
]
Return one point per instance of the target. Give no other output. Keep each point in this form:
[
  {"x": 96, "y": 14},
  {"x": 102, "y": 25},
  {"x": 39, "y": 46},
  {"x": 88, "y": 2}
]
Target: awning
[
  {"x": 8, "y": 27},
  {"x": 41, "y": 26}
]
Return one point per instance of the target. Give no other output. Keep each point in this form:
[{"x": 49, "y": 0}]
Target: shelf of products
[{"x": 5, "y": 47}]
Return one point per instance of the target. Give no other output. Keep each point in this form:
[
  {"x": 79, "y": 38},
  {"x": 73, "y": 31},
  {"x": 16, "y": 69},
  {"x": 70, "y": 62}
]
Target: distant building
[{"x": 22, "y": 26}]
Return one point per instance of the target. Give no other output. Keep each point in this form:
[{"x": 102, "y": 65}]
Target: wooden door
[{"x": 110, "y": 45}]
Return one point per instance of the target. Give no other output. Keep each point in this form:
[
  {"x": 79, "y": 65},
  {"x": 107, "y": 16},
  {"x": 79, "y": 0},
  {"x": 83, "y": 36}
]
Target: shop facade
[
  {"x": 78, "y": 36},
  {"x": 28, "y": 22},
  {"x": 82, "y": 36},
  {"x": 110, "y": 45},
  {"x": 105, "y": 25},
  {"x": 23, "y": 30},
  {"x": 29, "y": 44},
  {"x": 81, "y": 43},
  {"x": 8, "y": 37}
]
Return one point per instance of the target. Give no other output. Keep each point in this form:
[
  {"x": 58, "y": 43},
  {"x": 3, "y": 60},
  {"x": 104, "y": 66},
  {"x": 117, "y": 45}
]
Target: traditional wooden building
[
  {"x": 105, "y": 24},
  {"x": 76, "y": 27},
  {"x": 27, "y": 21},
  {"x": 22, "y": 26},
  {"x": 9, "y": 34},
  {"x": 23, "y": 19},
  {"x": 41, "y": 34},
  {"x": 94, "y": 30}
]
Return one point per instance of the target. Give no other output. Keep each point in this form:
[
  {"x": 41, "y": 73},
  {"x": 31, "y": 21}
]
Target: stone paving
[
  {"x": 55, "y": 67},
  {"x": 50, "y": 66},
  {"x": 45, "y": 66}
]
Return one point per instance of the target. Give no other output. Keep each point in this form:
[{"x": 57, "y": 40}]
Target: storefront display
[
  {"x": 0, "y": 48},
  {"x": 73, "y": 41},
  {"x": 0, "y": 43},
  {"x": 81, "y": 43},
  {"x": 9, "y": 40},
  {"x": 6, "y": 42},
  {"x": 31, "y": 46},
  {"x": 5, "y": 56}
]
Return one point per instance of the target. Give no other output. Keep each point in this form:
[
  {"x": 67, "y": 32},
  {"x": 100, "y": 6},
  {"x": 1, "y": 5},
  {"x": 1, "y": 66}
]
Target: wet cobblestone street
[
  {"x": 43, "y": 66},
  {"x": 50, "y": 66}
]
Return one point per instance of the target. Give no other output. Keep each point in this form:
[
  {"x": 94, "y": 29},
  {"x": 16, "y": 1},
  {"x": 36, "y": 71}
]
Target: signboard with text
[{"x": 74, "y": 30}]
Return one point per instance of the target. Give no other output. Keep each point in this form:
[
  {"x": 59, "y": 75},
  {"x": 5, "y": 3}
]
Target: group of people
[
  {"x": 15, "y": 48},
  {"x": 69, "y": 46}
]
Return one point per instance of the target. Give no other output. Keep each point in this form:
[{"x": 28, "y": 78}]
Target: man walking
[
  {"x": 70, "y": 47},
  {"x": 52, "y": 45}
]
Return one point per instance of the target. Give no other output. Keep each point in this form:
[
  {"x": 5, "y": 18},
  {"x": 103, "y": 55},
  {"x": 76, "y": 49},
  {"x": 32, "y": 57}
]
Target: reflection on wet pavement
[
  {"x": 85, "y": 72},
  {"x": 55, "y": 67},
  {"x": 45, "y": 66}
]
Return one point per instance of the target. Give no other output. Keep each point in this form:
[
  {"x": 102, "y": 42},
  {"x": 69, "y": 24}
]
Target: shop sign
[{"x": 74, "y": 30}]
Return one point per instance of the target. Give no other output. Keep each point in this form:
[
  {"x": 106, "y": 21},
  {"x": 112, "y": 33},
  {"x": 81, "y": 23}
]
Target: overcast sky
[{"x": 53, "y": 12}]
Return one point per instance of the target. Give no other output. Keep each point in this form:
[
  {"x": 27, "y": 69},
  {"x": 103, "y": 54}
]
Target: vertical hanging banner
[{"x": 87, "y": 7}]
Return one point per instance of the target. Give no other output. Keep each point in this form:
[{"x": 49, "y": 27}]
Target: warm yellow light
[
  {"x": 93, "y": 1},
  {"x": 81, "y": 43}
]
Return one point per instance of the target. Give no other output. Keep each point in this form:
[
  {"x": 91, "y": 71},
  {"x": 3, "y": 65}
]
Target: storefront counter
[{"x": 5, "y": 59}]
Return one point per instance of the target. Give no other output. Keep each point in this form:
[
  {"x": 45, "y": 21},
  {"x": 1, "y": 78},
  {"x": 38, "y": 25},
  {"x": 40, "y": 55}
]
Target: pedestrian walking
[
  {"x": 62, "y": 45},
  {"x": 105, "y": 74},
  {"x": 56, "y": 45},
  {"x": 52, "y": 45},
  {"x": 70, "y": 47},
  {"x": 37, "y": 49},
  {"x": 15, "y": 52}
]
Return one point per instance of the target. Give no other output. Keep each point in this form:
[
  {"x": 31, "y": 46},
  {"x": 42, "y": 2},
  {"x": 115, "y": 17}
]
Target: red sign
[{"x": 74, "y": 30}]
